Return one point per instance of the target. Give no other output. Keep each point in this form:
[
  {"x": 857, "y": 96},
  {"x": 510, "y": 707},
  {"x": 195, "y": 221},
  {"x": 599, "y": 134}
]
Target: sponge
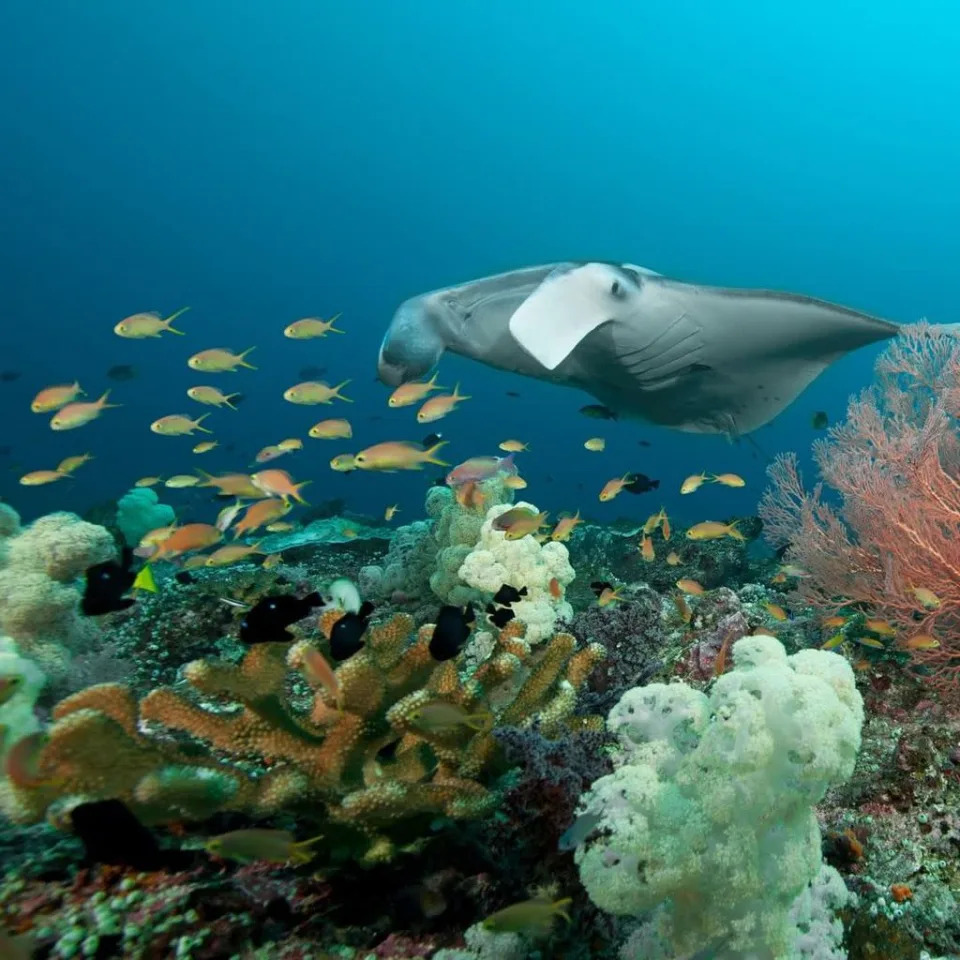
[{"x": 708, "y": 819}]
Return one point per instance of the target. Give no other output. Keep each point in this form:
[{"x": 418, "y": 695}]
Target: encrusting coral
[
  {"x": 40, "y": 603},
  {"x": 255, "y": 747}
]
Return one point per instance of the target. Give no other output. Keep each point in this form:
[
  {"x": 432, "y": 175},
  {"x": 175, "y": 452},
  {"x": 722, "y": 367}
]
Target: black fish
[
  {"x": 267, "y": 622},
  {"x": 111, "y": 834},
  {"x": 8, "y": 376},
  {"x": 512, "y": 393},
  {"x": 644, "y": 443},
  {"x": 312, "y": 373},
  {"x": 598, "y": 586},
  {"x": 106, "y": 585},
  {"x": 451, "y": 631},
  {"x": 820, "y": 420},
  {"x": 431, "y": 439},
  {"x": 638, "y": 483},
  {"x": 122, "y": 371},
  {"x": 346, "y": 637},
  {"x": 184, "y": 576},
  {"x": 499, "y": 616},
  {"x": 507, "y": 594},
  {"x": 597, "y": 411}
]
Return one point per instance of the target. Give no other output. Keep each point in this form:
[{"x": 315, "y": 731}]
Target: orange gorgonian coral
[{"x": 894, "y": 465}]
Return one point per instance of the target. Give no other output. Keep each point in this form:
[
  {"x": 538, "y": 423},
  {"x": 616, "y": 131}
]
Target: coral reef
[
  {"x": 329, "y": 751},
  {"x": 40, "y": 609},
  {"x": 139, "y": 511}
]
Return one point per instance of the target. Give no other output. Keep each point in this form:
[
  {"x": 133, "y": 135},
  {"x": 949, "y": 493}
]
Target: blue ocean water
[{"x": 262, "y": 162}]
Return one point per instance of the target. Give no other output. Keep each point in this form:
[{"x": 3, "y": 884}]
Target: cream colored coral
[{"x": 495, "y": 561}]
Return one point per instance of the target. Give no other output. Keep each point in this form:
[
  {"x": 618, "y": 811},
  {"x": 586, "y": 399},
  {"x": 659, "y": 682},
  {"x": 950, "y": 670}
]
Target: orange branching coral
[{"x": 355, "y": 751}]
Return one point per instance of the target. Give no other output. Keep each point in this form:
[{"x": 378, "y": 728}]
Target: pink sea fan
[{"x": 893, "y": 465}]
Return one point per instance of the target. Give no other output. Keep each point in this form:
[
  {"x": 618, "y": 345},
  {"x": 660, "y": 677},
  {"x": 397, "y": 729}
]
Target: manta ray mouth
[{"x": 412, "y": 347}]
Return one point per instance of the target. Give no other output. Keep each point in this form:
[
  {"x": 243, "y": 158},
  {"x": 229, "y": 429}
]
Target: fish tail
[
  {"x": 80, "y": 391},
  {"x": 560, "y": 908},
  {"x": 457, "y": 395},
  {"x": 481, "y": 722},
  {"x": 333, "y": 320},
  {"x": 430, "y": 456},
  {"x": 297, "y": 495},
  {"x": 241, "y": 360},
  {"x": 432, "y": 382},
  {"x": 228, "y": 398},
  {"x": 102, "y": 402},
  {"x": 338, "y": 388},
  {"x": 171, "y": 318},
  {"x": 200, "y": 420}
]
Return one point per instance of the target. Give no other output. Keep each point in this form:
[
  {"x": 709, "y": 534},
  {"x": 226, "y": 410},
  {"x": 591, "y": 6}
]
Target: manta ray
[{"x": 695, "y": 358}]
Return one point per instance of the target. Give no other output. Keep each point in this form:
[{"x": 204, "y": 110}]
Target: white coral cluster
[{"x": 525, "y": 562}]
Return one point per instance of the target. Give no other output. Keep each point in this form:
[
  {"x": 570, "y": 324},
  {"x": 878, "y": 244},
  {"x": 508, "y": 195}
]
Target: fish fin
[
  {"x": 296, "y": 492},
  {"x": 457, "y": 395},
  {"x": 102, "y": 402},
  {"x": 228, "y": 398},
  {"x": 566, "y": 307},
  {"x": 560, "y": 908},
  {"x": 337, "y": 390},
  {"x": 332, "y": 321},
  {"x": 171, "y": 318},
  {"x": 243, "y": 361},
  {"x": 200, "y": 420},
  {"x": 430, "y": 455}
]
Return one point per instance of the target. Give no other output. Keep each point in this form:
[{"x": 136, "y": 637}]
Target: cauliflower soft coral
[
  {"x": 708, "y": 818},
  {"x": 495, "y": 561},
  {"x": 39, "y": 566}
]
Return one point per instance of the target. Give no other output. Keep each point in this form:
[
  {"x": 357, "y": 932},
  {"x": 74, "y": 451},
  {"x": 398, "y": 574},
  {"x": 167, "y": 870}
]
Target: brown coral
[{"x": 356, "y": 754}]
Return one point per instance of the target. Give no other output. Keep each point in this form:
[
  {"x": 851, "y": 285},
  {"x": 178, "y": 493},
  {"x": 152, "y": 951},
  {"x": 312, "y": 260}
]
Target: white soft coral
[{"x": 525, "y": 562}]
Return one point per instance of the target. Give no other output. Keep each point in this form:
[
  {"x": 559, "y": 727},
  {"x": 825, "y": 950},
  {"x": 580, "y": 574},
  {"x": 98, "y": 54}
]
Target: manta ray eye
[{"x": 616, "y": 289}]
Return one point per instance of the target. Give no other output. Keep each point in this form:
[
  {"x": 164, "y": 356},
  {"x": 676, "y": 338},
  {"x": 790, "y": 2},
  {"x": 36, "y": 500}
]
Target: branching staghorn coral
[{"x": 253, "y": 747}]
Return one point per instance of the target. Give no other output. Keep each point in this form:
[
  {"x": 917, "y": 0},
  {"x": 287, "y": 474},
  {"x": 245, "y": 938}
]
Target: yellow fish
[
  {"x": 205, "y": 446},
  {"x": 690, "y": 586},
  {"x": 728, "y": 480},
  {"x": 409, "y": 393},
  {"x": 39, "y": 478},
  {"x": 74, "y": 463},
  {"x": 921, "y": 641},
  {"x": 439, "y": 406},
  {"x": 927, "y": 598},
  {"x": 311, "y": 327},
  {"x": 531, "y": 916},
  {"x": 514, "y": 481},
  {"x": 272, "y": 846},
  {"x": 312, "y": 392},
  {"x": 331, "y": 430},
  {"x": 398, "y": 455},
  {"x": 646, "y": 550},
  {"x": 872, "y": 642},
  {"x": 288, "y": 446},
  {"x": 212, "y": 397},
  {"x": 281, "y": 526},
  {"x": 75, "y": 415},
  {"x": 182, "y": 481},
  {"x": 775, "y": 611},
  {"x": 596, "y": 444},
  {"x": 53, "y": 398},
  {"x": 178, "y": 425},
  {"x": 219, "y": 360},
  {"x": 608, "y": 595},
  {"x": 271, "y": 561},
  {"x": 714, "y": 530},
  {"x": 613, "y": 487},
  {"x": 145, "y": 580},
  {"x": 390, "y": 512},
  {"x": 140, "y": 325},
  {"x": 880, "y": 627},
  {"x": 439, "y": 716},
  {"x": 232, "y": 553},
  {"x": 693, "y": 482},
  {"x": 513, "y": 446},
  {"x": 519, "y": 522},
  {"x": 833, "y": 642},
  {"x": 344, "y": 462},
  {"x": 673, "y": 559}
]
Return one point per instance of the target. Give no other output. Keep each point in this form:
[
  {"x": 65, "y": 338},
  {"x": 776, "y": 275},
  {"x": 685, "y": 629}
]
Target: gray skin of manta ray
[{"x": 695, "y": 358}]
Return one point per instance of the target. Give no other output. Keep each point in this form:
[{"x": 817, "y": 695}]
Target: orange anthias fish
[
  {"x": 75, "y": 415},
  {"x": 141, "y": 325},
  {"x": 556, "y": 591},
  {"x": 683, "y": 608},
  {"x": 311, "y": 327},
  {"x": 607, "y": 596},
  {"x": 921, "y": 641},
  {"x": 408, "y": 394},
  {"x": 331, "y": 430},
  {"x": 39, "y": 478},
  {"x": 647, "y": 551},
  {"x": 398, "y": 455},
  {"x": 470, "y": 496},
  {"x": 714, "y": 530},
  {"x": 343, "y": 463},
  {"x": 186, "y": 539},
  {"x": 613, "y": 487},
  {"x": 53, "y": 398},
  {"x": 260, "y": 514},
  {"x": 520, "y": 524},
  {"x": 673, "y": 559},
  {"x": 690, "y": 586},
  {"x": 439, "y": 406},
  {"x": 227, "y": 515},
  {"x": 512, "y": 446},
  {"x": 565, "y": 526},
  {"x": 220, "y": 360},
  {"x": 514, "y": 481},
  {"x": 880, "y": 627},
  {"x": 477, "y": 469},
  {"x": 205, "y": 446},
  {"x": 775, "y": 611},
  {"x": 291, "y": 444},
  {"x": 693, "y": 482},
  {"x": 270, "y": 453},
  {"x": 312, "y": 392},
  {"x": 279, "y": 483},
  {"x": 179, "y": 425},
  {"x": 233, "y": 485},
  {"x": 927, "y": 598},
  {"x": 212, "y": 397},
  {"x": 316, "y": 668}
]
